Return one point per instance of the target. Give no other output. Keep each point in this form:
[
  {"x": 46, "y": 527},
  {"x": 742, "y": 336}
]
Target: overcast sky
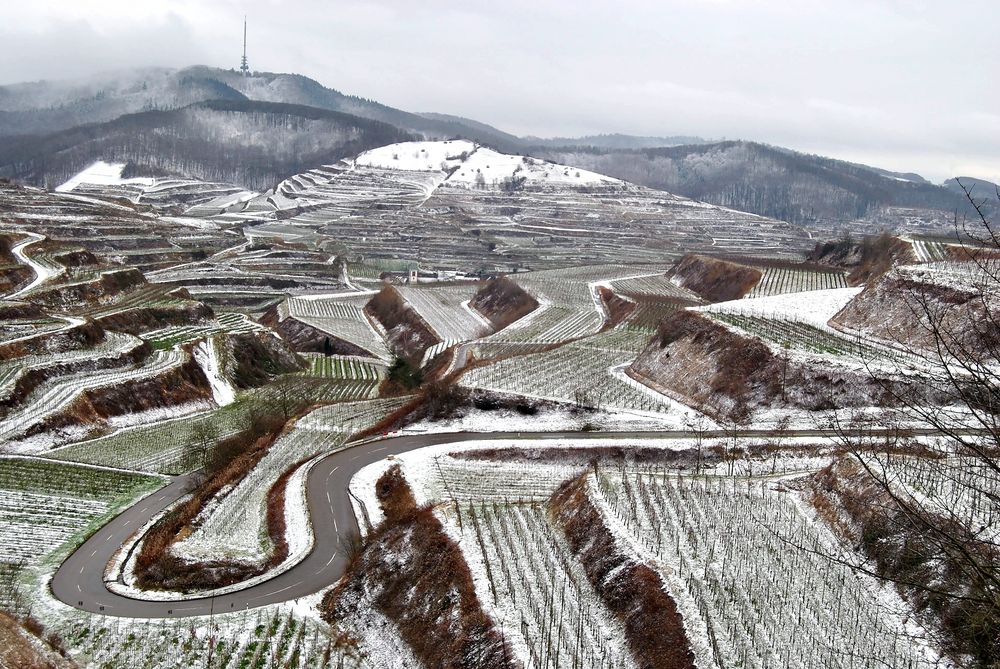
[{"x": 902, "y": 84}]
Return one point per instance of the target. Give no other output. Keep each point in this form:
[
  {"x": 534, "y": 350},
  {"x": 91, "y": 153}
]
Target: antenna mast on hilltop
[{"x": 244, "y": 68}]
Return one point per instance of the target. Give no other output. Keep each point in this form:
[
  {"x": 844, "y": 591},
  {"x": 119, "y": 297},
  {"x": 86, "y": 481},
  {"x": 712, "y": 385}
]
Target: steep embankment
[
  {"x": 413, "y": 573},
  {"x": 76, "y": 335},
  {"x": 632, "y": 590},
  {"x": 713, "y": 279},
  {"x": 918, "y": 309},
  {"x": 175, "y": 386},
  {"x": 25, "y": 645},
  {"x": 708, "y": 365},
  {"x": 138, "y": 319},
  {"x": 617, "y": 308},
  {"x": 305, "y": 338},
  {"x": 12, "y": 273},
  {"x": 254, "y": 358},
  {"x": 501, "y": 301},
  {"x": 106, "y": 285},
  {"x": 408, "y": 334},
  {"x": 865, "y": 260},
  {"x": 926, "y": 555},
  {"x": 32, "y": 376}
]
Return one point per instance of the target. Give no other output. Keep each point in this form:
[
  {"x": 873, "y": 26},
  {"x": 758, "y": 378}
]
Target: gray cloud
[{"x": 902, "y": 84}]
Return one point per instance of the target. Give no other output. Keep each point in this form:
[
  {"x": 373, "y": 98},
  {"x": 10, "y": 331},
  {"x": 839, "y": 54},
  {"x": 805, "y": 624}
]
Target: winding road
[
  {"x": 80, "y": 580},
  {"x": 42, "y": 272}
]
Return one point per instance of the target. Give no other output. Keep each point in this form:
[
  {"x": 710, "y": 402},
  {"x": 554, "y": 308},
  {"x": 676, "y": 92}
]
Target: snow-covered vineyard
[{"x": 436, "y": 405}]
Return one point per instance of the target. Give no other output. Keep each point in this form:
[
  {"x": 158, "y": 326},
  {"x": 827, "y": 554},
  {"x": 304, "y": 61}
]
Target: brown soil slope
[
  {"x": 905, "y": 307},
  {"x": 409, "y": 336},
  {"x": 305, "y": 338},
  {"x": 415, "y": 575},
  {"x": 713, "y": 279},
  {"x": 22, "y": 648},
  {"x": 706, "y": 364},
  {"x": 502, "y": 302},
  {"x": 865, "y": 260},
  {"x": 654, "y": 629}
]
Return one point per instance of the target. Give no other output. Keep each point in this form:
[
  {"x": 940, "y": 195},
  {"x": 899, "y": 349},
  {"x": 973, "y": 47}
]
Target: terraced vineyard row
[
  {"x": 343, "y": 367},
  {"x": 930, "y": 251},
  {"x": 44, "y": 505},
  {"x": 444, "y": 309},
  {"x": 169, "y": 337},
  {"x": 342, "y": 318},
  {"x": 257, "y": 639},
  {"x": 750, "y": 599},
  {"x": 534, "y": 579},
  {"x": 236, "y": 527},
  {"x": 103, "y": 355},
  {"x": 804, "y": 337},
  {"x": 57, "y": 394},
  {"x": 580, "y": 372},
  {"x": 782, "y": 280},
  {"x": 168, "y": 447}
]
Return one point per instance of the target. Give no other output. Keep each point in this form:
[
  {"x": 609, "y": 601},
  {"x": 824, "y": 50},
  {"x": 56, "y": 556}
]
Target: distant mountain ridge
[
  {"x": 770, "y": 181},
  {"x": 251, "y": 143},
  {"x": 49, "y": 130},
  {"x": 614, "y": 141}
]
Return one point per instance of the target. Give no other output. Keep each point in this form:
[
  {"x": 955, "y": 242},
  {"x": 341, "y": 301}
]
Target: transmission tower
[{"x": 244, "y": 68}]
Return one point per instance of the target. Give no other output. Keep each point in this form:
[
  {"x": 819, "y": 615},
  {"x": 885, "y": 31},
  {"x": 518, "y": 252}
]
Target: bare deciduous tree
[{"x": 926, "y": 513}]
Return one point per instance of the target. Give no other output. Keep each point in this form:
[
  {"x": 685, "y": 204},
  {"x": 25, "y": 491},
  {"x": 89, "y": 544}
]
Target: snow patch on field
[
  {"x": 815, "y": 307},
  {"x": 416, "y": 156},
  {"x": 493, "y": 167},
  {"x": 207, "y": 358},
  {"x": 102, "y": 174},
  {"x": 475, "y": 165}
]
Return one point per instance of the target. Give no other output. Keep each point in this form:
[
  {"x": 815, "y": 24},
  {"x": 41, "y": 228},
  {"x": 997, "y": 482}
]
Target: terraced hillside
[
  {"x": 462, "y": 206},
  {"x": 283, "y": 374}
]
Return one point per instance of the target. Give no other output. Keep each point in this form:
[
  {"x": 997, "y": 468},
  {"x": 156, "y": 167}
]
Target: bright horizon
[{"x": 901, "y": 86}]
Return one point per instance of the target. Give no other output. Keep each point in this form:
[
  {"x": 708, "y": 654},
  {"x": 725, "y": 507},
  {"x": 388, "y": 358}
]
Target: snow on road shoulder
[{"x": 815, "y": 307}]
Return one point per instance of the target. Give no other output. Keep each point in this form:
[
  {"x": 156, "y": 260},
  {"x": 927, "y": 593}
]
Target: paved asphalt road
[{"x": 79, "y": 581}]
